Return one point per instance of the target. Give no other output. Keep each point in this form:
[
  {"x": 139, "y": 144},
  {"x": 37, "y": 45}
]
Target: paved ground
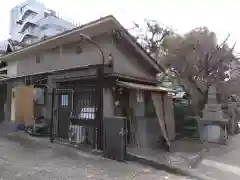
[
  {"x": 223, "y": 162},
  {"x": 25, "y": 158},
  {"x": 219, "y": 162}
]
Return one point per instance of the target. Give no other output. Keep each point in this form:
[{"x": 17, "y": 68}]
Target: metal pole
[
  {"x": 95, "y": 44},
  {"x": 100, "y": 76},
  {"x": 101, "y": 87}
]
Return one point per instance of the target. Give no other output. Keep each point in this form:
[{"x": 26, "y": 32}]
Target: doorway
[{"x": 65, "y": 108}]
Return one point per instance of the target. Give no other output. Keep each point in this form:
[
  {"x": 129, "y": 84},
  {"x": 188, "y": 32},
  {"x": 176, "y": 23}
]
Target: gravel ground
[{"x": 26, "y": 158}]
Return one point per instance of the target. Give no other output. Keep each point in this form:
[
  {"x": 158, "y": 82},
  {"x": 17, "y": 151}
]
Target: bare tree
[{"x": 196, "y": 59}]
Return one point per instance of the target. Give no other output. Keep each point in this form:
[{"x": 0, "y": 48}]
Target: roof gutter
[
  {"x": 141, "y": 50},
  {"x": 127, "y": 35},
  {"x": 53, "y": 38}
]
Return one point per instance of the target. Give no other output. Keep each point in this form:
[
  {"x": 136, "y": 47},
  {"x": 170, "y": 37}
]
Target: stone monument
[
  {"x": 212, "y": 125},
  {"x": 212, "y": 110}
]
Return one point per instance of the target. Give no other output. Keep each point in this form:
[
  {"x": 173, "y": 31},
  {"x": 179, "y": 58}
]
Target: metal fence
[{"x": 76, "y": 112}]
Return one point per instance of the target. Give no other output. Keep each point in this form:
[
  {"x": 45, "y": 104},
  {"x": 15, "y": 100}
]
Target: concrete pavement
[
  {"x": 219, "y": 162},
  {"x": 223, "y": 162},
  {"x": 27, "y": 158}
]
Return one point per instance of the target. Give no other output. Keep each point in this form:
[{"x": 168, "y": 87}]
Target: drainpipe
[{"x": 100, "y": 75}]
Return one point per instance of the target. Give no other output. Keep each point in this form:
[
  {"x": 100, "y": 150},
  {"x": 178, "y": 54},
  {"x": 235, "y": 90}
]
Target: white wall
[
  {"x": 38, "y": 18},
  {"x": 13, "y": 109},
  {"x": 16, "y": 14},
  {"x": 51, "y": 26},
  {"x": 124, "y": 63}
]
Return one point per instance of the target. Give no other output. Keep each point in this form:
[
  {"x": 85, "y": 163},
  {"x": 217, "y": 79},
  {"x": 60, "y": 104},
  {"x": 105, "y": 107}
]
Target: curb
[{"x": 167, "y": 167}]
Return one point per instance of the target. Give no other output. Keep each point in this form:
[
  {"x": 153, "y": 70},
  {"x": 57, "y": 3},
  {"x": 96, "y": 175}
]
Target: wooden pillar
[{"x": 7, "y": 110}]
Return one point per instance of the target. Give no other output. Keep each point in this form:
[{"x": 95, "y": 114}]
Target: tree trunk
[{"x": 198, "y": 99}]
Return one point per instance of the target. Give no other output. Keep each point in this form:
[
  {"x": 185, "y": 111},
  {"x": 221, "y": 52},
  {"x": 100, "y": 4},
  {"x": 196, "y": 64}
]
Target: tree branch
[
  {"x": 212, "y": 52},
  {"x": 221, "y": 60}
]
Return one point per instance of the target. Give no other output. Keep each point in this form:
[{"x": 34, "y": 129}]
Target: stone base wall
[{"x": 148, "y": 132}]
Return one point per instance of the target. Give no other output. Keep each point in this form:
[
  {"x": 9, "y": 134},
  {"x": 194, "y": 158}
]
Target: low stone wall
[
  {"x": 7, "y": 127},
  {"x": 148, "y": 132}
]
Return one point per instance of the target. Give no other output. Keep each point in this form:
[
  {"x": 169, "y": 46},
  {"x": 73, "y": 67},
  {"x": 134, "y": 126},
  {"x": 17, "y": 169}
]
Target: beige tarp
[
  {"x": 163, "y": 106},
  {"x": 169, "y": 117},
  {"x": 158, "y": 104}
]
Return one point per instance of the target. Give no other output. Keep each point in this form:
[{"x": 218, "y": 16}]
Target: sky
[{"x": 220, "y": 16}]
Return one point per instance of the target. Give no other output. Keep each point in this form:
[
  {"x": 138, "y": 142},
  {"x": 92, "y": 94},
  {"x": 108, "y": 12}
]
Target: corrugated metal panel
[{"x": 143, "y": 87}]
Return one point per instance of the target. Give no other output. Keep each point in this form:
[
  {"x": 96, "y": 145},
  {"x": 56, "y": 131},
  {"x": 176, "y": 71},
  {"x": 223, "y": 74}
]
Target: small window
[
  {"x": 64, "y": 100},
  {"x": 38, "y": 58},
  {"x": 46, "y": 14},
  {"x": 44, "y": 27}
]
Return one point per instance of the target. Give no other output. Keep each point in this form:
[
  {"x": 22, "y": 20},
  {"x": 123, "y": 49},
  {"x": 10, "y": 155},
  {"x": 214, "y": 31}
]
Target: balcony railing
[
  {"x": 27, "y": 24},
  {"x": 26, "y": 12},
  {"x": 27, "y": 35}
]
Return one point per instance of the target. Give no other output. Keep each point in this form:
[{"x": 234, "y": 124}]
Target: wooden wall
[{"x": 24, "y": 105}]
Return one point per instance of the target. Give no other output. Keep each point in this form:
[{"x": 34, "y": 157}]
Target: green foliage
[
  {"x": 186, "y": 124},
  {"x": 194, "y": 59}
]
